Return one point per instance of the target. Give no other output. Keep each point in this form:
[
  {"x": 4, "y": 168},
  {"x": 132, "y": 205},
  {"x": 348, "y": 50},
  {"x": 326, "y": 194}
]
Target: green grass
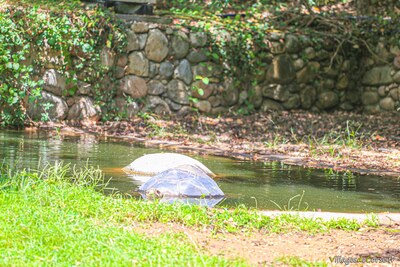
[
  {"x": 54, "y": 222},
  {"x": 57, "y": 216}
]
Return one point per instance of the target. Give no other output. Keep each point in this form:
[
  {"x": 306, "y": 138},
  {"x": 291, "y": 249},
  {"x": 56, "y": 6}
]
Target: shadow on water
[{"x": 270, "y": 185}]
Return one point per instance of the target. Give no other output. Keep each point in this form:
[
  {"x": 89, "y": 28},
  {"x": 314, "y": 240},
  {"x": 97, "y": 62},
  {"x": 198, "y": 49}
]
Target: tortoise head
[{"x": 153, "y": 193}]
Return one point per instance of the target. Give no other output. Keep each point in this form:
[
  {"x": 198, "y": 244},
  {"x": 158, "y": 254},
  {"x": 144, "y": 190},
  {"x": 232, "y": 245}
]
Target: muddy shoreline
[{"x": 369, "y": 144}]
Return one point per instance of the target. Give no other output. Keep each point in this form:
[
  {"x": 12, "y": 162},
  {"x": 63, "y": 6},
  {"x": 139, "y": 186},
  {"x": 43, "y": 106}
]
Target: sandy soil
[{"x": 265, "y": 249}]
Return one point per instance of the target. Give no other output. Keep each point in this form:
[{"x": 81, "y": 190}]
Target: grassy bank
[
  {"x": 57, "y": 216},
  {"x": 56, "y": 222}
]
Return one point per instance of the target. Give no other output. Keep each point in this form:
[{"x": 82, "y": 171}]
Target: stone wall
[{"x": 161, "y": 66}]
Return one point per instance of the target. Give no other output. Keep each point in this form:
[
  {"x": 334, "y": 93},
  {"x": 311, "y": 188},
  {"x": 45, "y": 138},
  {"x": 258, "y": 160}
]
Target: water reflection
[{"x": 265, "y": 186}]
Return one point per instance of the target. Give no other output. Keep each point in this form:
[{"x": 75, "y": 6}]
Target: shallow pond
[{"x": 268, "y": 185}]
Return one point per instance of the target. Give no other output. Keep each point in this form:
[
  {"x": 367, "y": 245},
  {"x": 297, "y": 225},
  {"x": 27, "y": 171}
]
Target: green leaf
[
  {"x": 215, "y": 56},
  {"x": 200, "y": 91},
  {"x": 205, "y": 80},
  {"x": 16, "y": 66}
]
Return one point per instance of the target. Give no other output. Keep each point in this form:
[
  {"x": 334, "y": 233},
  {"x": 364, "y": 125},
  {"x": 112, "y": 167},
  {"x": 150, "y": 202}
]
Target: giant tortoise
[
  {"x": 152, "y": 164},
  {"x": 184, "y": 183}
]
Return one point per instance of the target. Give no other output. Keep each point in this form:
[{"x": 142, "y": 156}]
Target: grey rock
[
  {"x": 203, "y": 106},
  {"x": 84, "y": 109},
  {"x": 308, "y": 73},
  {"x": 395, "y": 93},
  {"x": 153, "y": 69},
  {"x": 132, "y": 41},
  {"x": 382, "y": 52},
  {"x": 276, "y": 91},
  {"x": 330, "y": 72},
  {"x": 155, "y": 87},
  {"x": 177, "y": 92},
  {"x": 367, "y": 62},
  {"x": 157, "y": 46},
  {"x": 346, "y": 106},
  {"x": 138, "y": 64},
  {"x": 184, "y": 72},
  {"x": 394, "y": 50},
  {"x": 276, "y": 48},
  {"x": 269, "y": 105},
  {"x": 84, "y": 88},
  {"x": 293, "y": 102},
  {"x": 127, "y": 109},
  {"x": 230, "y": 96},
  {"x": 383, "y": 90},
  {"x": 309, "y": 53},
  {"x": 198, "y": 39},
  {"x": 342, "y": 82},
  {"x": 185, "y": 110},
  {"x": 372, "y": 109},
  {"x": 54, "y": 107},
  {"x": 387, "y": 104},
  {"x": 166, "y": 70},
  {"x": 54, "y": 82},
  {"x": 142, "y": 40},
  {"x": 256, "y": 96},
  {"x": 107, "y": 57},
  {"x": 219, "y": 110},
  {"x": 292, "y": 44},
  {"x": 396, "y": 62},
  {"x": 197, "y": 56},
  {"x": 308, "y": 97},
  {"x": 179, "y": 45},
  {"x": 298, "y": 64},
  {"x": 140, "y": 27},
  {"x": 157, "y": 105},
  {"x": 276, "y": 36},
  {"x": 369, "y": 98},
  {"x": 106, "y": 86},
  {"x": 121, "y": 60},
  {"x": 215, "y": 101},
  {"x": 328, "y": 84},
  {"x": 281, "y": 70},
  {"x": 378, "y": 76},
  {"x": 174, "y": 106},
  {"x": 321, "y": 55},
  {"x": 346, "y": 65},
  {"x": 201, "y": 90},
  {"x": 203, "y": 70},
  {"x": 126, "y": 8},
  {"x": 396, "y": 77},
  {"x": 133, "y": 86},
  {"x": 119, "y": 72},
  {"x": 327, "y": 100},
  {"x": 353, "y": 97}
]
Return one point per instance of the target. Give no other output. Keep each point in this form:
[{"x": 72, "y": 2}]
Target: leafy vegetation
[{"x": 33, "y": 38}]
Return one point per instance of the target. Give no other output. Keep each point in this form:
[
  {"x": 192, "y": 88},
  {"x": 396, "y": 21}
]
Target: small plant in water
[{"x": 289, "y": 206}]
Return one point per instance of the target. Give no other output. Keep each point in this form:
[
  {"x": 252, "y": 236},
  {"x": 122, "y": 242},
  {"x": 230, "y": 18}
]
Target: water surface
[{"x": 268, "y": 185}]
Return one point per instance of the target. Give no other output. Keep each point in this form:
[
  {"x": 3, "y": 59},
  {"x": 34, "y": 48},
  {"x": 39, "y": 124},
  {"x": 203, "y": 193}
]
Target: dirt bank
[
  {"x": 340, "y": 141},
  {"x": 275, "y": 249}
]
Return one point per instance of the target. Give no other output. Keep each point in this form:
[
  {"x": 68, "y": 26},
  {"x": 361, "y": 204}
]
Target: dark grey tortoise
[{"x": 184, "y": 183}]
